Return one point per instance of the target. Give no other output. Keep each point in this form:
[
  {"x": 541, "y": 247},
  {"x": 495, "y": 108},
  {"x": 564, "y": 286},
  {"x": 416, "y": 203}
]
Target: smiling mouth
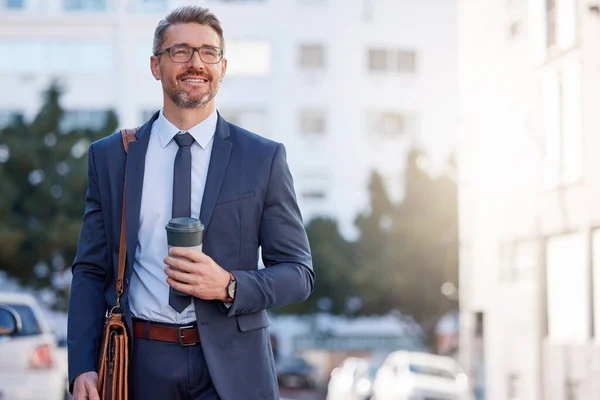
[{"x": 195, "y": 80}]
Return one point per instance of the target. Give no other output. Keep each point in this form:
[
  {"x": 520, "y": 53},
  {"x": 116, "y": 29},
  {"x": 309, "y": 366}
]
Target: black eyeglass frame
[{"x": 194, "y": 50}]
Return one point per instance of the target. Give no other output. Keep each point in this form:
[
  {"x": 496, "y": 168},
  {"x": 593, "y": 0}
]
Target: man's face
[{"x": 193, "y": 84}]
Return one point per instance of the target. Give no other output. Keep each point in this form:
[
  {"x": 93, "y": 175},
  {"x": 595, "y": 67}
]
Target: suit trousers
[{"x": 168, "y": 371}]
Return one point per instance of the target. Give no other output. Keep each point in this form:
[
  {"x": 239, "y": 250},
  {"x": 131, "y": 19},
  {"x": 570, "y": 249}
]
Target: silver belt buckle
[{"x": 180, "y": 335}]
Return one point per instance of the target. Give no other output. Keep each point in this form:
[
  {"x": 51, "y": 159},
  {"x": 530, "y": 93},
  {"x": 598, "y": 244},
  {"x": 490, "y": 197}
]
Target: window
[
  {"x": 478, "y": 361},
  {"x": 513, "y": 386},
  {"x": 143, "y": 51},
  {"x": 430, "y": 370},
  {"x": 313, "y": 185},
  {"x": 85, "y": 57},
  {"x": 518, "y": 261},
  {"x": 29, "y": 322},
  {"x": 248, "y": 58},
  {"x": 568, "y": 292},
  {"x": 312, "y": 56},
  {"x": 252, "y": 120},
  {"x": 82, "y": 119},
  {"x": 59, "y": 56},
  {"x": 14, "y": 4},
  {"x": 525, "y": 260},
  {"x": 377, "y": 60},
  {"x": 479, "y": 325},
  {"x": 551, "y": 106},
  {"x": 517, "y": 14},
  {"x": 368, "y": 10},
  {"x": 390, "y": 123},
  {"x": 551, "y": 23},
  {"x": 563, "y": 135},
  {"x": 405, "y": 61},
  {"x": 514, "y": 29},
  {"x": 85, "y": 5},
  {"x": 151, "y": 5},
  {"x": 561, "y": 24},
  {"x": 567, "y": 24},
  {"x": 312, "y": 122},
  {"x": 571, "y": 124},
  {"x": 392, "y": 60}
]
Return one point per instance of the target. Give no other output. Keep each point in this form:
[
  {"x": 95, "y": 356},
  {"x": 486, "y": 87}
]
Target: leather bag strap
[{"x": 127, "y": 135}]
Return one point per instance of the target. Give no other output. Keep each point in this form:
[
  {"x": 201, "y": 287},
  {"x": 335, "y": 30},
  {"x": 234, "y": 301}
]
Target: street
[{"x": 296, "y": 394}]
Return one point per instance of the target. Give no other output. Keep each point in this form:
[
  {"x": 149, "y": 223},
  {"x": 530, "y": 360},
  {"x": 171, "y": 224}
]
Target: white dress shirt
[{"x": 149, "y": 291}]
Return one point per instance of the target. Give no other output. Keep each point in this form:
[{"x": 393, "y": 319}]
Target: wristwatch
[{"x": 231, "y": 286}]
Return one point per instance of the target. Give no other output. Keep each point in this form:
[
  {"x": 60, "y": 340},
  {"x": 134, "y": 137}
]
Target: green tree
[
  {"x": 43, "y": 172},
  {"x": 427, "y": 221},
  {"x": 333, "y": 260},
  {"x": 409, "y": 250},
  {"x": 405, "y": 252},
  {"x": 375, "y": 249}
]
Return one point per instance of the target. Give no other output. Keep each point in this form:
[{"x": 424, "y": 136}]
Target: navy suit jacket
[{"x": 248, "y": 201}]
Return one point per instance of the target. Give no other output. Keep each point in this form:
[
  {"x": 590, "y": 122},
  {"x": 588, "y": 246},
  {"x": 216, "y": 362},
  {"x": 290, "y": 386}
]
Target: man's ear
[
  {"x": 155, "y": 67},
  {"x": 223, "y": 68}
]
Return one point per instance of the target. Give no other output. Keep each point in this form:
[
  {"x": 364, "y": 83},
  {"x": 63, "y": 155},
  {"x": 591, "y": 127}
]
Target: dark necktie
[{"x": 182, "y": 201}]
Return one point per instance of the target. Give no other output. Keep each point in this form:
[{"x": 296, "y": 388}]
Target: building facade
[
  {"x": 529, "y": 189},
  {"x": 347, "y": 86}
]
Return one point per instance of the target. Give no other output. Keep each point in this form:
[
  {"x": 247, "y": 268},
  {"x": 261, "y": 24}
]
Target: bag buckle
[{"x": 180, "y": 335}]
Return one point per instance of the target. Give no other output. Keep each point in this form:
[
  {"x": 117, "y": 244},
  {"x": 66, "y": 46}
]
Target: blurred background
[{"x": 443, "y": 155}]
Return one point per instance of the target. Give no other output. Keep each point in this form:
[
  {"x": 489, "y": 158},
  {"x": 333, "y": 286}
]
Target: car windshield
[
  {"x": 30, "y": 323},
  {"x": 431, "y": 371},
  {"x": 293, "y": 363}
]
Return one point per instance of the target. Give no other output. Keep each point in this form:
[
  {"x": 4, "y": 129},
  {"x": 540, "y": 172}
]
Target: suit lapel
[
  {"x": 217, "y": 167},
  {"x": 135, "y": 181}
]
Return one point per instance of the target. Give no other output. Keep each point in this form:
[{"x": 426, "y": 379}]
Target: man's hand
[
  {"x": 198, "y": 276},
  {"x": 86, "y": 386}
]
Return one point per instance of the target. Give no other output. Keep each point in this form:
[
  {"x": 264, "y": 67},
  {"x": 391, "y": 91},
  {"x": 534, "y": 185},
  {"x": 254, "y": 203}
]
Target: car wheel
[{"x": 307, "y": 384}]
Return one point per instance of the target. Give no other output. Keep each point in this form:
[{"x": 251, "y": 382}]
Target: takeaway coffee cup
[{"x": 185, "y": 232}]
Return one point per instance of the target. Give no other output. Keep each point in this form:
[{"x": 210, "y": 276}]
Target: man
[{"x": 242, "y": 191}]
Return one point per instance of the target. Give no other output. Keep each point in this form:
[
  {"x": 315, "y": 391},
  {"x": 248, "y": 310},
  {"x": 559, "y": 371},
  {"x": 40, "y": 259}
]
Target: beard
[{"x": 184, "y": 99}]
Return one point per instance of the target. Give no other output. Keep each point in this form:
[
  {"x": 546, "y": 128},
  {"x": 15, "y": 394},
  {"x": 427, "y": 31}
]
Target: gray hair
[{"x": 184, "y": 15}]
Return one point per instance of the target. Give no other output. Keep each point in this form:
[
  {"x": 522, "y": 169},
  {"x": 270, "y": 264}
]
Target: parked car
[
  {"x": 406, "y": 375},
  {"x": 30, "y": 366},
  {"x": 353, "y": 379},
  {"x": 295, "y": 372}
]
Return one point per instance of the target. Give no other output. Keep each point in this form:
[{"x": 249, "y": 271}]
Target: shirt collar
[{"x": 202, "y": 133}]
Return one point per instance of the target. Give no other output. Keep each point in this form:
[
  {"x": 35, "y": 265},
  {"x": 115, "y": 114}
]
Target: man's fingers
[
  {"x": 181, "y": 264},
  {"x": 79, "y": 393},
  {"x": 80, "y": 390},
  {"x": 189, "y": 253},
  {"x": 184, "y": 277},
  {"x": 83, "y": 392},
  {"x": 182, "y": 287},
  {"x": 85, "y": 387},
  {"x": 92, "y": 390}
]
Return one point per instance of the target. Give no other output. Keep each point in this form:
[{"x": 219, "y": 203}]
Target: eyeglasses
[{"x": 184, "y": 53}]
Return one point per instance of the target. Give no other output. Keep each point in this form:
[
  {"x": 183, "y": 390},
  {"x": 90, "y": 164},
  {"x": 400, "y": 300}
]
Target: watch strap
[{"x": 231, "y": 280}]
